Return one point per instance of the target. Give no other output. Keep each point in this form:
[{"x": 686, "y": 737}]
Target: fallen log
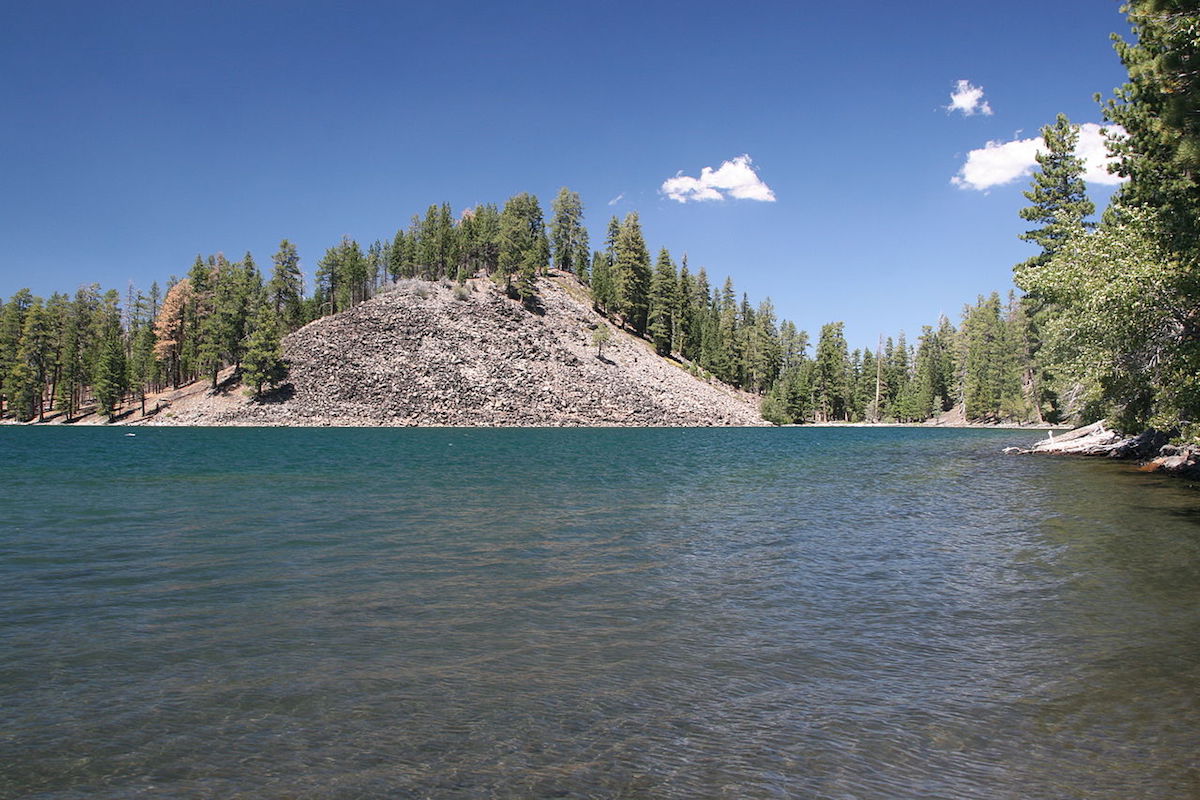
[{"x": 1151, "y": 447}]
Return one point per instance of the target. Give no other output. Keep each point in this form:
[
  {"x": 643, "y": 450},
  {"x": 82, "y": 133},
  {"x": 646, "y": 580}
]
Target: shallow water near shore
[{"x": 734, "y": 613}]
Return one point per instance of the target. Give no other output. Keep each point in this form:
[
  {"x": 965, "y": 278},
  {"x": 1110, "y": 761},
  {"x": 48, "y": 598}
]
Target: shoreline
[
  {"x": 90, "y": 421},
  {"x": 1151, "y": 449}
]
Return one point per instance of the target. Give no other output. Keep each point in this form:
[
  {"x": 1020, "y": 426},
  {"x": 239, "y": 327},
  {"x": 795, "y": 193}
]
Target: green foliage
[
  {"x": 663, "y": 304},
  {"x": 567, "y": 234},
  {"x": 143, "y": 369},
  {"x": 600, "y": 337},
  {"x": 762, "y": 351},
  {"x": 343, "y": 277},
  {"x": 830, "y": 376},
  {"x": 221, "y": 314},
  {"x": 27, "y": 375},
  {"x": 1058, "y": 193},
  {"x": 604, "y": 292},
  {"x": 1112, "y": 321},
  {"x": 1160, "y": 153},
  {"x": 263, "y": 364},
  {"x": 71, "y": 369},
  {"x": 1129, "y": 336},
  {"x": 286, "y": 288},
  {"x": 631, "y": 274},
  {"x": 524, "y": 251},
  {"x": 111, "y": 379},
  {"x": 990, "y": 371},
  {"x": 932, "y": 385},
  {"x": 774, "y": 409}
]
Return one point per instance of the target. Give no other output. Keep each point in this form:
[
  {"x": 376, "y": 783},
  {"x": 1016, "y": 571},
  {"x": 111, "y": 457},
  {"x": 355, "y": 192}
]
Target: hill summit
[{"x": 430, "y": 354}]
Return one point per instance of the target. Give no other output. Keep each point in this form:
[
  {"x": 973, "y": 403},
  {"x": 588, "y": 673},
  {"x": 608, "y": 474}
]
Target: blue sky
[{"x": 136, "y": 135}]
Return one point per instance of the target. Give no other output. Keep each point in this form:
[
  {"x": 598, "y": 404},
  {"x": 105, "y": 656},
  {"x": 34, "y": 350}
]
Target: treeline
[
  {"x": 1115, "y": 305},
  {"x": 71, "y": 354},
  {"x": 510, "y": 245},
  {"x": 67, "y": 354},
  {"x": 984, "y": 365}
]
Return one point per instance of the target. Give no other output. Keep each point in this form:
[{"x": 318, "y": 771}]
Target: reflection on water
[{"x": 778, "y": 613}]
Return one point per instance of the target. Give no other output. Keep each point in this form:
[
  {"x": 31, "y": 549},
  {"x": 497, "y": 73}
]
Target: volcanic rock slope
[{"x": 431, "y": 354}]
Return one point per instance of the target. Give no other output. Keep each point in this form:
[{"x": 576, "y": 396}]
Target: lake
[{"x": 727, "y": 613}]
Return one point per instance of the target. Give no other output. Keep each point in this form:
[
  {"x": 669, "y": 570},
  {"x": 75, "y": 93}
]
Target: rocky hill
[{"x": 437, "y": 354}]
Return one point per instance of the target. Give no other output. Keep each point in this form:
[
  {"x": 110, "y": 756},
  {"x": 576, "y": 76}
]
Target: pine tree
[
  {"x": 12, "y": 323},
  {"x": 1160, "y": 153},
  {"x": 611, "y": 234},
  {"x": 932, "y": 381},
  {"x": 603, "y": 290},
  {"x": 991, "y": 383},
  {"x": 468, "y": 246},
  {"x": 447, "y": 243},
  {"x": 947, "y": 368},
  {"x": 264, "y": 364},
  {"x": 662, "y": 304},
  {"x": 723, "y": 356},
  {"x": 111, "y": 378},
  {"x": 764, "y": 358},
  {"x": 247, "y": 292},
  {"x": 286, "y": 287},
  {"x": 696, "y": 302},
  {"x": 142, "y": 366},
  {"x": 486, "y": 253},
  {"x": 524, "y": 249},
  {"x": 195, "y": 340},
  {"x": 895, "y": 371},
  {"x": 218, "y": 328},
  {"x": 328, "y": 282},
  {"x": 685, "y": 310},
  {"x": 59, "y": 309},
  {"x": 170, "y": 329},
  {"x": 600, "y": 337},
  {"x": 582, "y": 255},
  {"x": 34, "y": 358},
  {"x": 396, "y": 256},
  {"x": 795, "y": 390},
  {"x": 1058, "y": 193},
  {"x": 567, "y": 235},
  {"x": 865, "y": 387},
  {"x": 70, "y": 363},
  {"x": 830, "y": 378},
  {"x": 631, "y": 273}
]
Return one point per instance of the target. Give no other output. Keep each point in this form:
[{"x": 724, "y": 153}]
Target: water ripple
[{"x": 583, "y": 614}]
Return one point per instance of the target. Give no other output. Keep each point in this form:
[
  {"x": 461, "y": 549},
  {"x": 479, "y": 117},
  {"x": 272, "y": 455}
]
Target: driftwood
[
  {"x": 1151, "y": 447},
  {"x": 1090, "y": 440}
]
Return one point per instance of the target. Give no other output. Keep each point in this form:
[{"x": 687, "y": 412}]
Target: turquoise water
[{"x": 591, "y": 613}]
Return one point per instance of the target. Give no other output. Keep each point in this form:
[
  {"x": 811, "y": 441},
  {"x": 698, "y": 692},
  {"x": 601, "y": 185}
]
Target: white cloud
[
  {"x": 968, "y": 99},
  {"x": 998, "y": 163},
  {"x": 735, "y": 178},
  {"x": 1094, "y": 152},
  {"x": 617, "y": 199}
]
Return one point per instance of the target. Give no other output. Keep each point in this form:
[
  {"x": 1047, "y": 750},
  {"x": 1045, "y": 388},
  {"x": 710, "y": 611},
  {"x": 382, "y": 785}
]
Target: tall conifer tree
[
  {"x": 286, "y": 287},
  {"x": 663, "y": 303},
  {"x": 568, "y": 238}
]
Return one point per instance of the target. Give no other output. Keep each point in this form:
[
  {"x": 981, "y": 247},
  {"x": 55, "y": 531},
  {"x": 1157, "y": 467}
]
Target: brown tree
[{"x": 169, "y": 328}]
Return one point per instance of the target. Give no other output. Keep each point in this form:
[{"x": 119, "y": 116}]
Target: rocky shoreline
[{"x": 1151, "y": 448}]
